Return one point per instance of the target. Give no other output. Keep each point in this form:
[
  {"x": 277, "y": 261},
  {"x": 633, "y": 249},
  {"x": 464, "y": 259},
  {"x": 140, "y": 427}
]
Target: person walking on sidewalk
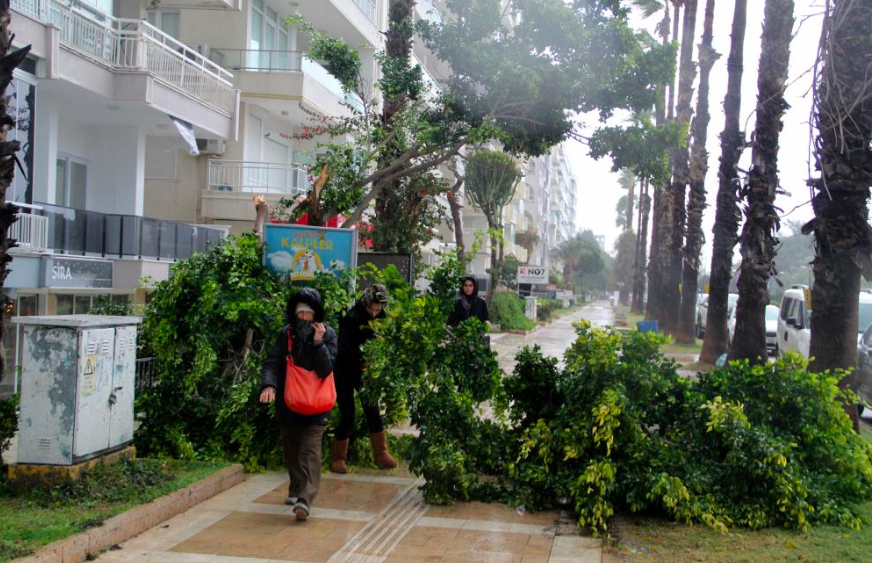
[
  {"x": 354, "y": 331},
  {"x": 299, "y": 369},
  {"x": 468, "y": 304}
]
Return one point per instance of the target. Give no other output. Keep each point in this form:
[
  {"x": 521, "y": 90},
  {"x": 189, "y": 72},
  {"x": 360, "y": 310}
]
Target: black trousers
[
  {"x": 301, "y": 445},
  {"x": 346, "y": 384}
]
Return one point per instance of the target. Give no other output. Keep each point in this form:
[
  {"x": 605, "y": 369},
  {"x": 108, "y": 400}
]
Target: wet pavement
[{"x": 371, "y": 516}]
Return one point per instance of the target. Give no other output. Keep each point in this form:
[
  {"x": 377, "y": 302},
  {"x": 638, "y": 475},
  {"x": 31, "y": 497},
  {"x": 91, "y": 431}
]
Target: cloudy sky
[{"x": 599, "y": 191}]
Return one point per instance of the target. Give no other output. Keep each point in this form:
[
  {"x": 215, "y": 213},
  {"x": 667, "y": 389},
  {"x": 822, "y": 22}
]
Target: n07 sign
[{"x": 533, "y": 274}]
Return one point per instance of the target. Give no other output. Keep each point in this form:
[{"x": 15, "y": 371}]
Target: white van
[{"x": 794, "y": 330}]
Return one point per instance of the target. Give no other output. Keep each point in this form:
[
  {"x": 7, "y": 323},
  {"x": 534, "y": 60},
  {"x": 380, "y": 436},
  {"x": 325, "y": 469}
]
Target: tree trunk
[
  {"x": 758, "y": 240},
  {"x": 457, "y": 218},
  {"x": 639, "y": 276},
  {"x": 631, "y": 194},
  {"x": 494, "y": 257},
  {"x": 655, "y": 266},
  {"x": 843, "y": 115},
  {"x": 680, "y": 173},
  {"x": 398, "y": 47},
  {"x": 727, "y": 214},
  {"x": 695, "y": 238},
  {"x": 676, "y": 21},
  {"x": 8, "y": 149}
]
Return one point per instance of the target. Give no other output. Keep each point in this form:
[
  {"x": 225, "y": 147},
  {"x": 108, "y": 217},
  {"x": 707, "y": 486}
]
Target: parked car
[
  {"x": 771, "y": 327},
  {"x": 794, "y": 328},
  {"x": 702, "y": 311}
]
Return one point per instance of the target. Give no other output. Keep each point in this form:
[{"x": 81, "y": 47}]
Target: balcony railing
[
  {"x": 258, "y": 177},
  {"x": 65, "y": 230},
  {"x": 135, "y": 46},
  {"x": 258, "y": 60},
  {"x": 369, "y": 8},
  {"x": 31, "y": 232}
]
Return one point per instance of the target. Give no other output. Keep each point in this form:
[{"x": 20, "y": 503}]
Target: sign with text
[
  {"x": 298, "y": 252},
  {"x": 77, "y": 273},
  {"x": 533, "y": 274}
]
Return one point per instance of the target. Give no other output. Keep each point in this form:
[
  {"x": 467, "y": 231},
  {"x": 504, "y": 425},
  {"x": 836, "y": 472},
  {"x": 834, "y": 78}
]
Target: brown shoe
[
  {"x": 338, "y": 455},
  {"x": 380, "y": 451}
]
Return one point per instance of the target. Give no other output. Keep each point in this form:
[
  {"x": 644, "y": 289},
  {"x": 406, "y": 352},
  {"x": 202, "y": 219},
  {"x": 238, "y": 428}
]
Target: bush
[
  {"x": 8, "y": 421},
  {"x": 545, "y": 308},
  {"x": 507, "y": 310}
]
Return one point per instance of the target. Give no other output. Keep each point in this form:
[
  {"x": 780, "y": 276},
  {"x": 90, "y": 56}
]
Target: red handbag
[{"x": 305, "y": 392}]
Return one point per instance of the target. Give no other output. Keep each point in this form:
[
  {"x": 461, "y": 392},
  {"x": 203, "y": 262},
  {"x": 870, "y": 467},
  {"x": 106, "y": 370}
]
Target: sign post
[{"x": 297, "y": 252}]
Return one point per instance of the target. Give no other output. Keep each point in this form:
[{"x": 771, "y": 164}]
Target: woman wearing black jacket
[
  {"x": 314, "y": 349},
  {"x": 468, "y": 304},
  {"x": 354, "y": 331}
]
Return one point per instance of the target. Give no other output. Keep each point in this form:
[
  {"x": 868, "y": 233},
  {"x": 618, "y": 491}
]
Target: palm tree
[
  {"x": 843, "y": 118},
  {"x": 757, "y": 243},
  {"x": 727, "y": 213},
  {"x": 641, "y": 250},
  {"x": 9, "y": 61},
  {"x": 694, "y": 237},
  {"x": 674, "y": 231}
]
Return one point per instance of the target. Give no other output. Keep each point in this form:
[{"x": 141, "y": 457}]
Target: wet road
[{"x": 554, "y": 339}]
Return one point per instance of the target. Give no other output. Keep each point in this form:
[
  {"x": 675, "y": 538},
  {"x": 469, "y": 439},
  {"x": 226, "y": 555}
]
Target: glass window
[
  {"x": 785, "y": 308},
  {"x": 65, "y": 304},
  {"x": 864, "y": 316},
  {"x": 71, "y": 182},
  {"x": 82, "y": 304},
  {"x": 121, "y": 299},
  {"x": 170, "y": 23},
  {"x": 771, "y": 313}
]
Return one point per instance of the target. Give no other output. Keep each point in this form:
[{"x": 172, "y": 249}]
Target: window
[
  {"x": 168, "y": 21},
  {"x": 64, "y": 304},
  {"x": 785, "y": 308},
  {"x": 71, "y": 182},
  {"x": 161, "y": 156},
  {"x": 270, "y": 37}
]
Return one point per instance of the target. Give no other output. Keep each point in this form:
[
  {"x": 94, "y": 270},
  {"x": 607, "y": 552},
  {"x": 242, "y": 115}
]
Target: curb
[{"x": 135, "y": 521}]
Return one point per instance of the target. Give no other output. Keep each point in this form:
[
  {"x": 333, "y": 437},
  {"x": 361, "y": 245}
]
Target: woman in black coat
[
  {"x": 468, "y": 304},
  {"x": 354, "y": 331},
  {"x": 314, "y": 349}
]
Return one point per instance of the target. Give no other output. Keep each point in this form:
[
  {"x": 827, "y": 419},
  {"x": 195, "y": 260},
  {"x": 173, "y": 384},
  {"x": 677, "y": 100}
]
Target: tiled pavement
[
  {"x": 361, "y": 518},
  {"x": 369, "y": 517}
]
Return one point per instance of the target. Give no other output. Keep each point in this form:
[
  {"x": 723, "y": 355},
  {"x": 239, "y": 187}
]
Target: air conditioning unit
[{"x": 214, "y": 147}]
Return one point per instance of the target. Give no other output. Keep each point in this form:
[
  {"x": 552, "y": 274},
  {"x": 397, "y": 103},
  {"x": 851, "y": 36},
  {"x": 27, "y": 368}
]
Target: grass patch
[
  {"x": 644, "y": 540},
  {"x": 699, "y": 367},
  {"x": 676, "y": 348},
  {"x": 31, "y": 520}
]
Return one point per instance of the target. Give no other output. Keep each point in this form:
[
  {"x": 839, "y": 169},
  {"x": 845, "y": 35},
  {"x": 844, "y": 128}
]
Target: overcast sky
[{"x": 599, "y": 191}]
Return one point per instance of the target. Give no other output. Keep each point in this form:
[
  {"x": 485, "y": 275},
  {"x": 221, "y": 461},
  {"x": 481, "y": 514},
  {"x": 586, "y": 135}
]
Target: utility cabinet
[{"x": 77, "y": 387}]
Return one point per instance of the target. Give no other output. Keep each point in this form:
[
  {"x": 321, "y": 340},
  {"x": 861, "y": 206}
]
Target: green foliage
[
  {"x": 507, "y": 310},
  {"x": 622, "y": 267},
  {"x": 581, "y": 256},
  {"x": 339, "y": 59},
  {"x": 491, "y": 179},
  {"x": 545, "y": 308},
  {"x": 103, "y": 305},
  {"x": 509, "y": 272},
  {"x": 642, "y": 147},
  {"x": 8, "y": 421},
  {"x": 204, "y": 405}
]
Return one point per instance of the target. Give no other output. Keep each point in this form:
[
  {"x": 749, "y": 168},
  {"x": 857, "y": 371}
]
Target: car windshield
[
  {"x": 771, "y": 313},
  {"x": 732, "y": 299},
  {"x": 864, "y": 315}
]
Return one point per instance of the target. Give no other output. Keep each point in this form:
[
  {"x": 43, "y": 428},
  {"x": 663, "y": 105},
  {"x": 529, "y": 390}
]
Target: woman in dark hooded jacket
[
  {"x": 468, "y": 304},
  {"x": 314, "y": 349},
  {"x": 354, "y": 332}
]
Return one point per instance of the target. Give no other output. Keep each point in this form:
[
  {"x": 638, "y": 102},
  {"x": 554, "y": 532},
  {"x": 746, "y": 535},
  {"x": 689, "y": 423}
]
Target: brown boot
[
  {"x": 380, "y": 451},
  {"x": 338, "y": 455}
]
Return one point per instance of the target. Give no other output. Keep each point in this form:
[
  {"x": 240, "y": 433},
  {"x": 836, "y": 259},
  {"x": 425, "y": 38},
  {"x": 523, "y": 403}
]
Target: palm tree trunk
[
  {"x": 680, "y": 175},
  {"x": 676, "y": 21},
  {"x": 843, "y": 115},
  {"x": 8, "y": 149},
  {"x": 695, "y": 238},
  {"x": 639, "y": 275},
  {"x": 727, "y": 214},
  {"x": 494, "y": 258},
  {"x": 631, "y": 194},
  {"x": 655, "y": 265},
  {"x": 758, "y": 240}
]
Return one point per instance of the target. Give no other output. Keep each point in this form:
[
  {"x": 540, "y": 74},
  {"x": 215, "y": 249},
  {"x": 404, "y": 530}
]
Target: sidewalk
[{"x": 371, "y": 517}]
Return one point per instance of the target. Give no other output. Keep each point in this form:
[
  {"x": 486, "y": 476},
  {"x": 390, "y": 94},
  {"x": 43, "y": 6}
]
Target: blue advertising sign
[{"x": 297, "y": 252}]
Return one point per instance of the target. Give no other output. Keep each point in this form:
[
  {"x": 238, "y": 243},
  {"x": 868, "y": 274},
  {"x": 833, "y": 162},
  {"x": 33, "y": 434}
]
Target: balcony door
[
  {"x": 269, "y": 40},
  {"x": 71, "y": 182},
  {"x": 276, "y": 155}
]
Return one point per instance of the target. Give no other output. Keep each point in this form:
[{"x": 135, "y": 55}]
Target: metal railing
[
  {"x": 369, "y": 8},
  {"x": 91, "y": 233},
  {"x": 145, "y": 374},
  {"x": 135, "y": 45},
  {"x": 258, "y": 177},
  {"x": 30, "y": 231}
]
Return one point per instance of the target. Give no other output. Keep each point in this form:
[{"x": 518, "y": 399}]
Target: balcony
[
  {"x": 134, "y": 46},
  {"x": 257, "y": 177},
  {"x": 264, "y": 64},
  {"x": 77, "y": 232}
]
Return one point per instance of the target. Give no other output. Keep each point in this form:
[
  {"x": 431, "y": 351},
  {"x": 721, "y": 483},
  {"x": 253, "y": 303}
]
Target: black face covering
[{"x": 302, "y": 331}]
